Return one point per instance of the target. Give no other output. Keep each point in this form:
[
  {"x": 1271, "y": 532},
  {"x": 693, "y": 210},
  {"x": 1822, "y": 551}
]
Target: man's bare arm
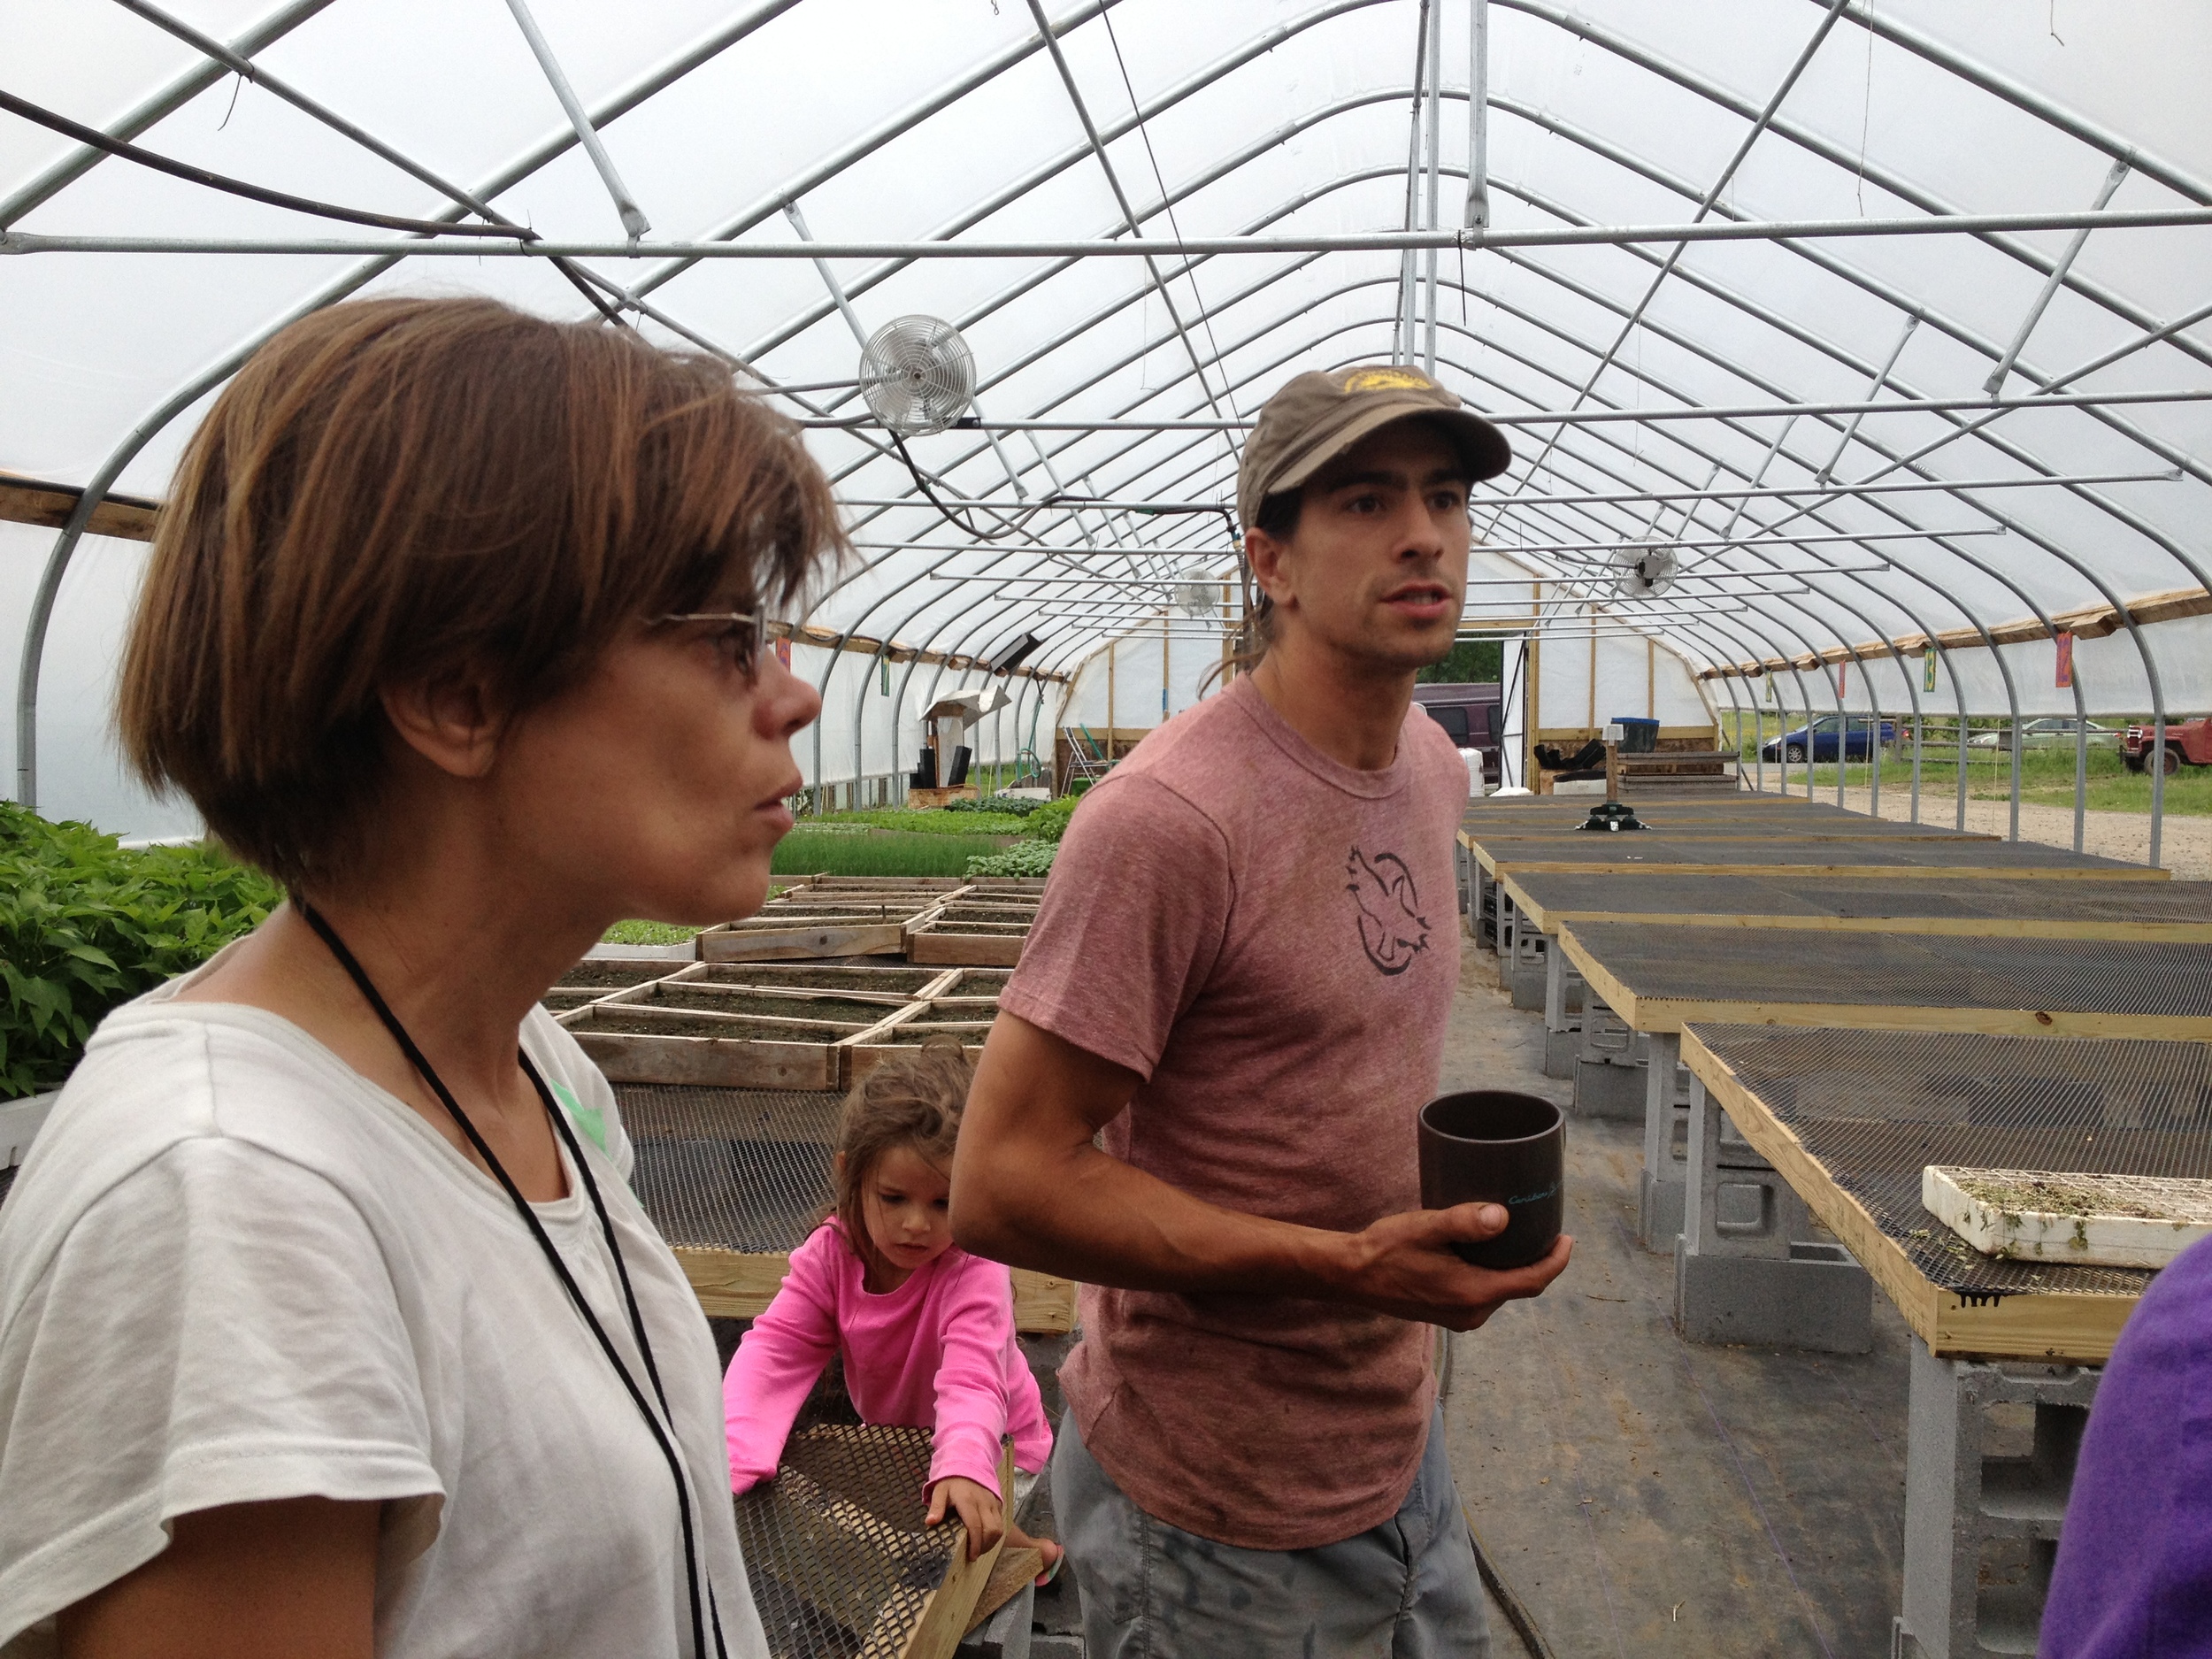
[
  {"x": 1030, "y": 1189},
  {"x": 290, "y": 1579}
]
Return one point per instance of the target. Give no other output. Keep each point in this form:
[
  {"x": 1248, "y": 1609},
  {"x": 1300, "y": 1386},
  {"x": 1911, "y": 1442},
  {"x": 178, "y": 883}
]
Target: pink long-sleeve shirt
[{"x": 937, "y": 1353}]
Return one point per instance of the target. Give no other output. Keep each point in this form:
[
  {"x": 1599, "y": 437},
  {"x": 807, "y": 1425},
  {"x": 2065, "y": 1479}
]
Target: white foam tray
[{"x": 2055, "y": 1216}]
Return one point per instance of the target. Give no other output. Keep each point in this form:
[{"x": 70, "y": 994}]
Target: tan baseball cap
[{"x": 1315, "y": 417}]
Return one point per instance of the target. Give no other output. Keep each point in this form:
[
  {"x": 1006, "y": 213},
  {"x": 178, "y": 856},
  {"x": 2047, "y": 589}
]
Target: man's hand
[
  {"x": 1404, "y": 1265},
  {"x": 977, "y": 1507},
  {"x": 1031, "y": 1190}
]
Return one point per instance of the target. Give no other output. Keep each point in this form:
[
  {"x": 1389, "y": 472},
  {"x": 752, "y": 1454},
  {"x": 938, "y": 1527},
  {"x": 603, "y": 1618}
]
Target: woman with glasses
[{"x": 328, "y": 1325}]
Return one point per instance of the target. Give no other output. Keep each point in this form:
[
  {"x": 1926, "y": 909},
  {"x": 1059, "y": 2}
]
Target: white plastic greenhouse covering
[{"x": 1889, "y": 317}]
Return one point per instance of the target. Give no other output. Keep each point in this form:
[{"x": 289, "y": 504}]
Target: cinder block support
[
  {"x": 1745, "y": 1268},
  {"x": 1484, "y": 915},
  {"x": 1463, "y": 869},
  {"x": 1524, "y": 966},
  {"x": 1562, "y": 990},
  {"x": 1982, "y": 1517},
  {"x": 1659, "y": 1209},
  {"x": 1608, "y": 1067}
]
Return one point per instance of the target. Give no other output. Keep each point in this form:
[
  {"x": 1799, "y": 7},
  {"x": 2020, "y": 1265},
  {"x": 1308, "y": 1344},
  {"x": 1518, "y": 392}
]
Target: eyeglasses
[{"x": 742, "y": 641}]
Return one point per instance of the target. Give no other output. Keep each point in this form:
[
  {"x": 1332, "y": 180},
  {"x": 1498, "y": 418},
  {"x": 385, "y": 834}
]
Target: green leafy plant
[
  {"x": 1023, "y": 859},
  {"x": 86, "y": 925},
  {"x": 647, "y": 933},
  {"x": 1050, "y": 821},
  {"x": 807, "y": 852},
  {"x": 1013, "y": 805}
]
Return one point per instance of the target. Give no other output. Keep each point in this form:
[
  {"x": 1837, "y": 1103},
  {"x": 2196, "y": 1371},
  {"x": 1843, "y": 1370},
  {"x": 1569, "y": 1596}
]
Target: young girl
[{"x": 926, "y": 1331}]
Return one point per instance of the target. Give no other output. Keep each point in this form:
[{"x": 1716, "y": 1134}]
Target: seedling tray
[
  {"x": 654, "y": 1045},
  {"x": 2057, "y": 1215}
]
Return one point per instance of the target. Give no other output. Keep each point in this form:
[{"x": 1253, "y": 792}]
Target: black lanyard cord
[{"x": 661, "y": 1436}]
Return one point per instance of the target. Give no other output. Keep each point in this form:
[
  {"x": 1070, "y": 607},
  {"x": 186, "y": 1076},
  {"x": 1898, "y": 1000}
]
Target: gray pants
[{"x": 1406, "y": 1589}]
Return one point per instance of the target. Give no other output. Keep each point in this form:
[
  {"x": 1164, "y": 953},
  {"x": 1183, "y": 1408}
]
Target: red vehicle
[{"x": 2190, "y": 744}]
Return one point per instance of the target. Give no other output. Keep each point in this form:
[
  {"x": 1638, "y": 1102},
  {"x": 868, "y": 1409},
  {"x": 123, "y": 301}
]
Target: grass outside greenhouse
[{"x": 2046, "y": 775}]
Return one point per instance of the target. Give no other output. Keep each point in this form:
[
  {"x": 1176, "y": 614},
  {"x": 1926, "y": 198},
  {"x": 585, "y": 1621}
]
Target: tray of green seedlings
[{"x": 592, "y": 978}]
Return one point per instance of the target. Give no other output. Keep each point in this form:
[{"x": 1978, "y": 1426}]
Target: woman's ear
[{"x": 452, "y": 726}]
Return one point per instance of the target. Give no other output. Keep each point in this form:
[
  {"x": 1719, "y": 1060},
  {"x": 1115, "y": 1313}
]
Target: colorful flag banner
[
  {"x": 1927, "y": 676},
  {"x": 2065, "y": 643}
]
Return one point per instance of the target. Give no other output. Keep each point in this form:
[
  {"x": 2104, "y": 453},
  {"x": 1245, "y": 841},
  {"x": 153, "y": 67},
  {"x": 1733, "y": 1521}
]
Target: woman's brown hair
[
  {"x": 912, "y": 1100},
  {"x": 433, "y": 491}
]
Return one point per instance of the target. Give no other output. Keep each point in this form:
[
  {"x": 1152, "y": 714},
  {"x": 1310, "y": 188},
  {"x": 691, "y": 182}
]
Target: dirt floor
[
  {"x": 2185, "y": 843},
  {"x": 1644, "y": 1495}
]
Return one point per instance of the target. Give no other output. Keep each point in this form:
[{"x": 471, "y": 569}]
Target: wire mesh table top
[
  {"x": 841, "y": 1561},
  {"x": 1853, "y": 1117},
  {"x": 731, "y": 1168},
  {"x": 1651, "y": 980},
  {"x": 1569, "y": 848},
  {"x": 1551, "y": 897},
  {"x": 1673, "y": 824}
]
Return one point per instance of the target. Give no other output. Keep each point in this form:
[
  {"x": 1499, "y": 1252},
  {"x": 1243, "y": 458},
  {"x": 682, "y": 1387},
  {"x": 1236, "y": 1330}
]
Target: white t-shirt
[{"x": 234, "y": 1269}]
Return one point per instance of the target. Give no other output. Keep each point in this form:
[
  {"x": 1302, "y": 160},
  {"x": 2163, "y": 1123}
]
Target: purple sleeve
[
  {"x": 780, "y": 1360},
  {"x": 1132, "y": 922},
  {"x": 977, "y": 1328},
  {"x": 2133, "y": 1576}
]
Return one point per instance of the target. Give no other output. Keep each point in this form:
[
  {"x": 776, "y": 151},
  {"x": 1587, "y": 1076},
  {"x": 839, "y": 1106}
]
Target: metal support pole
[
  {"x": 2053, "y": 283},
  {"x": 634, "y": 224},
  {"x": 1477, "y": 214},
  {"x": 1881, "y": 379},
  {"x": 1430, "y": 206},
  {"x": 829, "y": 278}
]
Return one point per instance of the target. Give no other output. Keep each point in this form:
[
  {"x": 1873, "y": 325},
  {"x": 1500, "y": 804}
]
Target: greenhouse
[{"x": 1831, "y": 671}]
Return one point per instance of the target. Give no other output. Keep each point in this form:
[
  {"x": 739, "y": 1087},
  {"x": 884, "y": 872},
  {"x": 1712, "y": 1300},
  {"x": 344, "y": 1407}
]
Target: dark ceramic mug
[{"x": 1492, "y": 1146}]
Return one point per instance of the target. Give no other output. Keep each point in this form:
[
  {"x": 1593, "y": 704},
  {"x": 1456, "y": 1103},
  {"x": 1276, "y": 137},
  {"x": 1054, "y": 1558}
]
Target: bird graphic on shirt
[{"x": 1391, "y": 930}]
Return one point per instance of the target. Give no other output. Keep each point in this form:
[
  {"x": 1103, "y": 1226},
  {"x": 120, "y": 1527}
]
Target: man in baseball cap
[{"x": 1238, "y": 981}]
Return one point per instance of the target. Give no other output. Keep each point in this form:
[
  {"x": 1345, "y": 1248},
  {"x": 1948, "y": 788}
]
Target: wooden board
[
  {"x": 2057, "y": 1326},
  {"x": 727, "y": 943},
  {"x": 740, "y": 1285},
  {"x": 1675, "y": 830},
  {"x": 1646, "y": 1010},
  {"x": 713, "y": 1062},
  {"x": 944, "y": 1619},
  {"x": 1507, "y": 863},
  {"x": 936, "y": 943},
  {"x": 1884, "y": 911}
]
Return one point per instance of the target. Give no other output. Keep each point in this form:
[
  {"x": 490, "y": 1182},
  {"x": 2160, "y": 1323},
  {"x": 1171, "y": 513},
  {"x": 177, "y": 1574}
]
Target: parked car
[
  {"x": 2187, "y": 744},
  {"x": 1824, "y": 736},
  {"x": 2050, "y": 732},
  {"x": 1472, "y": 716}
]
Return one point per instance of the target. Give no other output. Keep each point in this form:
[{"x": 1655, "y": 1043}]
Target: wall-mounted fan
[
  {"x": 1643, "y": 572},
  {"x": 918, "y": 375},
  {"x": 1195, "y": 599}
]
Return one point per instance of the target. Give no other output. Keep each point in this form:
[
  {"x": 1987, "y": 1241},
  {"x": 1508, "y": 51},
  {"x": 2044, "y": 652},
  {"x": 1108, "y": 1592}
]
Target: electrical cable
[
  {"x": 921, "y": 482},
  {"x": 98, "y": 139},
  {"x": 1502, "y": 1591}
]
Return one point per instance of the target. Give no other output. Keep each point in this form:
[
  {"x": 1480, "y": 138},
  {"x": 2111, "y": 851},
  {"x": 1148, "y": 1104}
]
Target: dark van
[{"x": 1473, "y": 714}]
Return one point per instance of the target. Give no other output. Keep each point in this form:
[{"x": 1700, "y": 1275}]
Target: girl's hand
[{"x": 977, "y": 1509}]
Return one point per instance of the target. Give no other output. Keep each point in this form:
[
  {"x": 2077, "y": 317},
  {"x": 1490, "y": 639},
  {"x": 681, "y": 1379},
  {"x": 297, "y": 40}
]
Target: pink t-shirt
[
  {"x": 937, "y": 1353},
  {"x": 1269, "y": 939}
]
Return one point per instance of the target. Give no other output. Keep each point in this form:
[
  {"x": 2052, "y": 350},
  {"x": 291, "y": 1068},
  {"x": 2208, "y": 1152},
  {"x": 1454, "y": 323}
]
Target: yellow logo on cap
[{"x": 1388, "y": 381}]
